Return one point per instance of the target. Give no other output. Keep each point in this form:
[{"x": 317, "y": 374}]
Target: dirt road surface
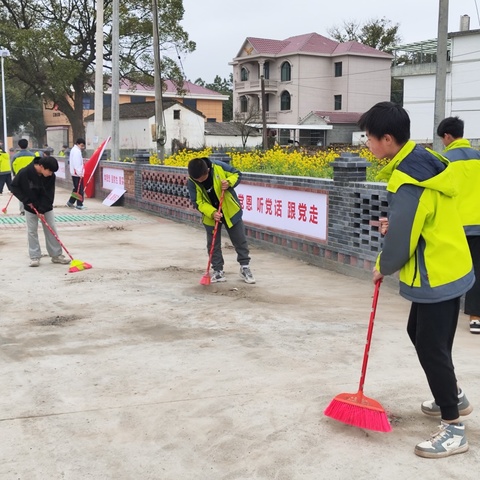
[{"x": 134, "y": 371}]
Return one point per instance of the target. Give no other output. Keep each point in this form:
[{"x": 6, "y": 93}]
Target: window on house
[
  {"x": 137, "y": 99},
  {"x": 285, "y": 101},
  {"x": 266, "y": 70},
  {"x": 176, "y": 114},
  {"x": 190, "y": 102},
  {"x": 337, "y": 102},
  {"x": 107, "y": 100},
  {"x": 286, "y": 72},
  {"x": 211, "y": 120},
  {"x": 243, "y": 74},
  {"x": 243, "y": 104},
  {"x": 88, "y": 101},
  {"x": 338, "y": 69}
]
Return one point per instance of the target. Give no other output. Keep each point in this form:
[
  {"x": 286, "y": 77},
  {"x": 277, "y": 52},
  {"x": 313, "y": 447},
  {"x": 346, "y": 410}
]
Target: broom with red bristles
[{"x": 355, "y": 408}]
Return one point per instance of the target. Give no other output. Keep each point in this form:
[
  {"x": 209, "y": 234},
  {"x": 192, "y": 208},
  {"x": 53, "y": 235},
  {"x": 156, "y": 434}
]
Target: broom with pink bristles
[{"x": 355, "y": 408}]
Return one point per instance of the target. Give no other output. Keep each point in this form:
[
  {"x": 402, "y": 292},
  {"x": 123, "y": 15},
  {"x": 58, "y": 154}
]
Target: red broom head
[
  {"x": 360, "y": 411},
  {"x": 206, "y": 280},
  {"x": 4, "y": 210}
]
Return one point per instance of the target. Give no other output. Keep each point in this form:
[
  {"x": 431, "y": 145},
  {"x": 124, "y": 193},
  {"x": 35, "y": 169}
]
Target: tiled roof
[
  {"x": 355, "y": 47},
  {"x": 138, "y": 110},
  {"x": 339, "y": 117},
  {"x": 310, "y": 43},
  {"x": 189, "y": 87},
  {"x": 227, "y": 129}
]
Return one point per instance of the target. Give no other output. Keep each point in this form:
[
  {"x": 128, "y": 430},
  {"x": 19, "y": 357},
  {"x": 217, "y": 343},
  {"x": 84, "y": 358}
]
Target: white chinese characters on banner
[
  {"x": 112, "y": 178},
  {"x": 295, "y": 211}
]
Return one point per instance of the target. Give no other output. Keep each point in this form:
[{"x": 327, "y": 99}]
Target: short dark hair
[
  {"x": 452, "y": 125},
  {"x": 197, "y": 167},
  {"x": 49, "y": 163},
  {"x": 386, "y": 118},
  {"x": 79, "y": 141},
  {"x": 23, "y": 143}
]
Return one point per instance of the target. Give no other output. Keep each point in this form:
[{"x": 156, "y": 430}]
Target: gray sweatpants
[
  {"x": 54, "y": 249},
  {"x": 238, "y": 239}
]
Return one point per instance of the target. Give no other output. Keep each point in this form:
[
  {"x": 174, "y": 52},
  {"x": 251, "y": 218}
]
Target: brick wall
[{"x": 354, "y": 207}]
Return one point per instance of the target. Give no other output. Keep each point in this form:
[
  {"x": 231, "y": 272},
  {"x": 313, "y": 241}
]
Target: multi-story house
[
  {"x": 306, "y": 74},
  {"x": 462, "y": 83}
]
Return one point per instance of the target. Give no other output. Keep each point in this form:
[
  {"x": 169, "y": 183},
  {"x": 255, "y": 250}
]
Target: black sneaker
[{"x": 246, "y": 274}]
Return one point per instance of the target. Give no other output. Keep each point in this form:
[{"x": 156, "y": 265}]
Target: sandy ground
[{"x": 133, "y": 370}]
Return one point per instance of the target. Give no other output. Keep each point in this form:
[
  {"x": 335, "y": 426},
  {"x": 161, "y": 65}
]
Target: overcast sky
[{"x": 219, "y": 27}]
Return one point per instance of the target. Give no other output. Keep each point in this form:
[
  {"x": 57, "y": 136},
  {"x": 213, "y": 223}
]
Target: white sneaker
[
  {"x": 218, "y": 276},
  {"x": 35, "y": 262},
  {"x": 246, "y": 274},
  {"x": 449, "y": 440},
  {"x": 60, "y": 259},
  {"x": 429, "y": 407}
]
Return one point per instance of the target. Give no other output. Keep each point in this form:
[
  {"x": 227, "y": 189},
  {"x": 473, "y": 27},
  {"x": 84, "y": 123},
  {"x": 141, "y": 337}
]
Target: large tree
[
  {"x": 52, "y": 46},
  {"x": 378, "y": 33}
]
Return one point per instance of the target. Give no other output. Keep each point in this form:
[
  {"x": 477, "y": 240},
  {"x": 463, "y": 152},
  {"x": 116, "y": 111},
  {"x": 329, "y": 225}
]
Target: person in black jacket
[{"x": 34, "y": 186}]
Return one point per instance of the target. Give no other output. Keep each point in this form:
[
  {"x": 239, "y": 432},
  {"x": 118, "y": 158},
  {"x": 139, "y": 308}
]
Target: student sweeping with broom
[
  {"x": 34, "y": 186},
  {"x": 211, "y": 186},
  {"x": 425, "y": 242}
]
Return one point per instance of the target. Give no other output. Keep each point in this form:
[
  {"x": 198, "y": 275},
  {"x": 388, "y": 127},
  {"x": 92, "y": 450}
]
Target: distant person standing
[
  {"x": 20, "y": 160},
  {"x": 77, "y": 171},
  {"x": 64, "y": 152},
  {"x": 465, "y": 162},
  {"x": 5, "y": 170}
]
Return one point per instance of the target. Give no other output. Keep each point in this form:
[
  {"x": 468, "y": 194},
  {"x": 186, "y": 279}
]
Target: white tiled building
[{"x": 462, "y": 86}]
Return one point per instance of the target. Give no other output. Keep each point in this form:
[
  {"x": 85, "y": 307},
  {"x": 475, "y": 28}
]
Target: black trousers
[
  {"x": 5, "y": 179},
  {"x": 238, "y": 239},
  {"x": 77, "y": 189},
  {"x": 472, "y": 297},
  {"x": 431, "y": 328}
]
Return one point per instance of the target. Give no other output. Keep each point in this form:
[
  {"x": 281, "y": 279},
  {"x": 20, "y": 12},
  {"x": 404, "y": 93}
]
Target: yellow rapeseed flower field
[{"x": 280, "y": 160}]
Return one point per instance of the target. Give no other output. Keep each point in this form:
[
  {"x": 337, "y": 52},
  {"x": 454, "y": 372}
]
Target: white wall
[
  {"x": 136, "y": 133},
  {"x": 462, "y": 92},
  {"x": 219, "y": 141}
]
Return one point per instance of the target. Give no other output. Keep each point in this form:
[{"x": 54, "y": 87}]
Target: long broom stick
[
  {"x": 206, "y": 280},
  {"x": 355, "y": 408},
  {"x": 75, "y": 265},
  {"x": 4, "y": 210}
]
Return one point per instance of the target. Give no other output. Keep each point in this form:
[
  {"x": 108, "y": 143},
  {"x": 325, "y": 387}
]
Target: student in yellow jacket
[
  {"x": 5, "y": 171},
  {"x": 466, "y": 165},
  {"x": 425, "y": 242},
  {"x": 208, "y": 180}
]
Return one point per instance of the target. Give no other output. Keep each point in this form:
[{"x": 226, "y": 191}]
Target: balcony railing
[{"x": 255, "y": 86}]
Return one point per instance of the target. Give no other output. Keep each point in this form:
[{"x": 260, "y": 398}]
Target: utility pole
[
  {"x": 98, "y": 129},
  {"x": 264, "y": 114},
  {"x": 441, "y": 72},
  {"x": 160, "y": 133},
  {"x": 115, "y": 81}
]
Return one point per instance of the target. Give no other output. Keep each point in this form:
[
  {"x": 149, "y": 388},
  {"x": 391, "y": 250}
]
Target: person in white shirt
[{"x": 77, "y": 172}]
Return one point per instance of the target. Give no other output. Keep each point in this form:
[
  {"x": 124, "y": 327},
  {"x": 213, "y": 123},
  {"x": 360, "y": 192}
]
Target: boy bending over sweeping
[
  {"x": 34, "y": 186},
  {"x": 427, "y": 244}
]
